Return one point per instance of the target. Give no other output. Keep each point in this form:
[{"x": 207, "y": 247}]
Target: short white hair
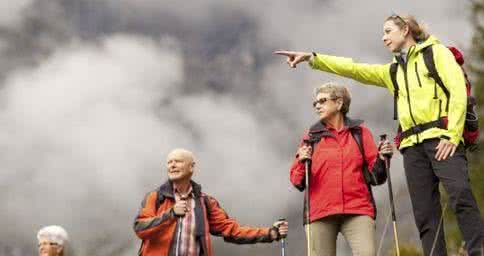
[{"x": 53, "y": 233}]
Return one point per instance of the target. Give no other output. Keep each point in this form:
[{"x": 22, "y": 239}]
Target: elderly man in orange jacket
[{"x": 178, "y": 218}]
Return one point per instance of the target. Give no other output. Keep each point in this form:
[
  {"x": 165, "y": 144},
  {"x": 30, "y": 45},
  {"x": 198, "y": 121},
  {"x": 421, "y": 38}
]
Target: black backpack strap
[
  {"x": 356, "y": 133},
  {"x": 207, "y": 205},
  {"x": 316, "y": 132},
  {"x": 428, "y": 56},
  {"x": 159, "y": 200},
  {"x": 393, "y": 75}
]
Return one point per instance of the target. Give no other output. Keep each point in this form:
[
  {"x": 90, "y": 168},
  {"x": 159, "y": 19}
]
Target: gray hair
[{"x": 336, "y": 91}]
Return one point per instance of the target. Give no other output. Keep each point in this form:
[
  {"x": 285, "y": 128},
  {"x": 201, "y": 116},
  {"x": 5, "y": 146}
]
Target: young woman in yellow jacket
[{"x": 431, "y": 153}]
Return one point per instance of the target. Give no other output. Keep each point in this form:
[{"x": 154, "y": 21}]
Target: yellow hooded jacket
[{"x": 417, "y": 103}]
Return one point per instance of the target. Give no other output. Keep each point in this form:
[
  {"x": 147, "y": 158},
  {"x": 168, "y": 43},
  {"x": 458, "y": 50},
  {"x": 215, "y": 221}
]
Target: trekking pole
[
  {"x": 307, "y": 166},
  {"x": 441, "y": 221},
  {"x": 385, "y": 228},
  {"x": 283, "y": 241},
  {"x": 383, "y": 138}
]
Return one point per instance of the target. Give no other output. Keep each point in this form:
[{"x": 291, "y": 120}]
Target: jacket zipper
[
  {"x": 342, "y": 181},
  {"x": 418, "y": 77},
  {"x": 408, "y": 92}
]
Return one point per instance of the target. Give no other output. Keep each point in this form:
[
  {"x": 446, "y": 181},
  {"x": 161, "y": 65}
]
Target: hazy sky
[{"x": 94, "y": 93}]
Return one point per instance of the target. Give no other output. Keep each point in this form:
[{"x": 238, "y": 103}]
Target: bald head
[
  {"x": 182, "y": 153},
  {"x": 180, "y": 165}
]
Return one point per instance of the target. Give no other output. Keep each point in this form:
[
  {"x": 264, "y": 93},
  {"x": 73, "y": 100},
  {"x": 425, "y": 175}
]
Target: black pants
[{"x": 424, "y": 173}]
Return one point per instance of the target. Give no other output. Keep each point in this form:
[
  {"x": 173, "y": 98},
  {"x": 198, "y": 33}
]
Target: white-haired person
[{"x": 52, "y": 241}]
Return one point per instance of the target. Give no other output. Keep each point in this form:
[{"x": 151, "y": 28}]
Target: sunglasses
[
  {"x": 322, "y": 101},
  {"x": 396, "y": 16}
]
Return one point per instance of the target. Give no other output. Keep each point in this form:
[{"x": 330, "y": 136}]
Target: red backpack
[{"x": 471, "y": 127}]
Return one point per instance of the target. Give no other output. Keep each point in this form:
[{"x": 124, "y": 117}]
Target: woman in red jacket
[{"x": 340, "y": 199}]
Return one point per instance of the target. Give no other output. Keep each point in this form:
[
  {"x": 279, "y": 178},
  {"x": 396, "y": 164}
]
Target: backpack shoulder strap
[
  {"x": 369, "y": 178},
  {"x": 316, "y": 132},
  {"x": 207, "y": 205},
  {"x": 356, "y": 133},
  {"x": 428, "y": 56},
  {"x": 393, "y": 76},
  {"x": 159, "y": 200}
]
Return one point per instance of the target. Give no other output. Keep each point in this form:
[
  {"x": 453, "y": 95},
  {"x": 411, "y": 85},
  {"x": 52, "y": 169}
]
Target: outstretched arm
[
  {"x": 222, "y": 225},
  {"x": 378, "y": 75}
]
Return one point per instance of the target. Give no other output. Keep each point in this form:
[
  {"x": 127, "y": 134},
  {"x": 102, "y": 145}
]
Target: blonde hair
[
  {"x": 336, "y": 91},
  {"x": 417, "y": 30}
]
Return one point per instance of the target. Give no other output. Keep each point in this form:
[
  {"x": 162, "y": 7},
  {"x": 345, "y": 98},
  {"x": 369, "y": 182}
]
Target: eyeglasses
[
  {"x": 49, "y": 243},
  {"x": 322, "y": 101}
]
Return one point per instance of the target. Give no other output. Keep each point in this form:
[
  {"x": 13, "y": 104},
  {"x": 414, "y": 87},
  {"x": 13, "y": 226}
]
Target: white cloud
[
  {"x": 87, "y": 121},
  {"x": 11, "y": 12}
]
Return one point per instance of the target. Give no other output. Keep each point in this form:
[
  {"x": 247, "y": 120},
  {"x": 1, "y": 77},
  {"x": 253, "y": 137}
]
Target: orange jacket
[{"x": 156, "y": 224}]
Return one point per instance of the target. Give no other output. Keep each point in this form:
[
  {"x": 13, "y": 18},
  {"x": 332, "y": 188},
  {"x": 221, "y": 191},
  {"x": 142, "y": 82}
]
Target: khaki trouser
[{"x": 358, "y": 230}]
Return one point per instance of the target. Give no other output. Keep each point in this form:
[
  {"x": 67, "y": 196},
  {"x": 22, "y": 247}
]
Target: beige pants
[{"x": 358, "y": 230}]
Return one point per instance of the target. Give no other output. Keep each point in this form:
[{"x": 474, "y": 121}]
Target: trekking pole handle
[
  {"x": 383, "y": 138},
  {"x": 281, "y": 219},
  {"x": 283, "y": 240},
  {"x": 309, "y": 143}
]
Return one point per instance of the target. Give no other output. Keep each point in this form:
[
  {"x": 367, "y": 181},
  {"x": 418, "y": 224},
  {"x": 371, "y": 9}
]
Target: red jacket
[
  {"x": 337, "y": 185},
  {"x": 156, "y": 223}
]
